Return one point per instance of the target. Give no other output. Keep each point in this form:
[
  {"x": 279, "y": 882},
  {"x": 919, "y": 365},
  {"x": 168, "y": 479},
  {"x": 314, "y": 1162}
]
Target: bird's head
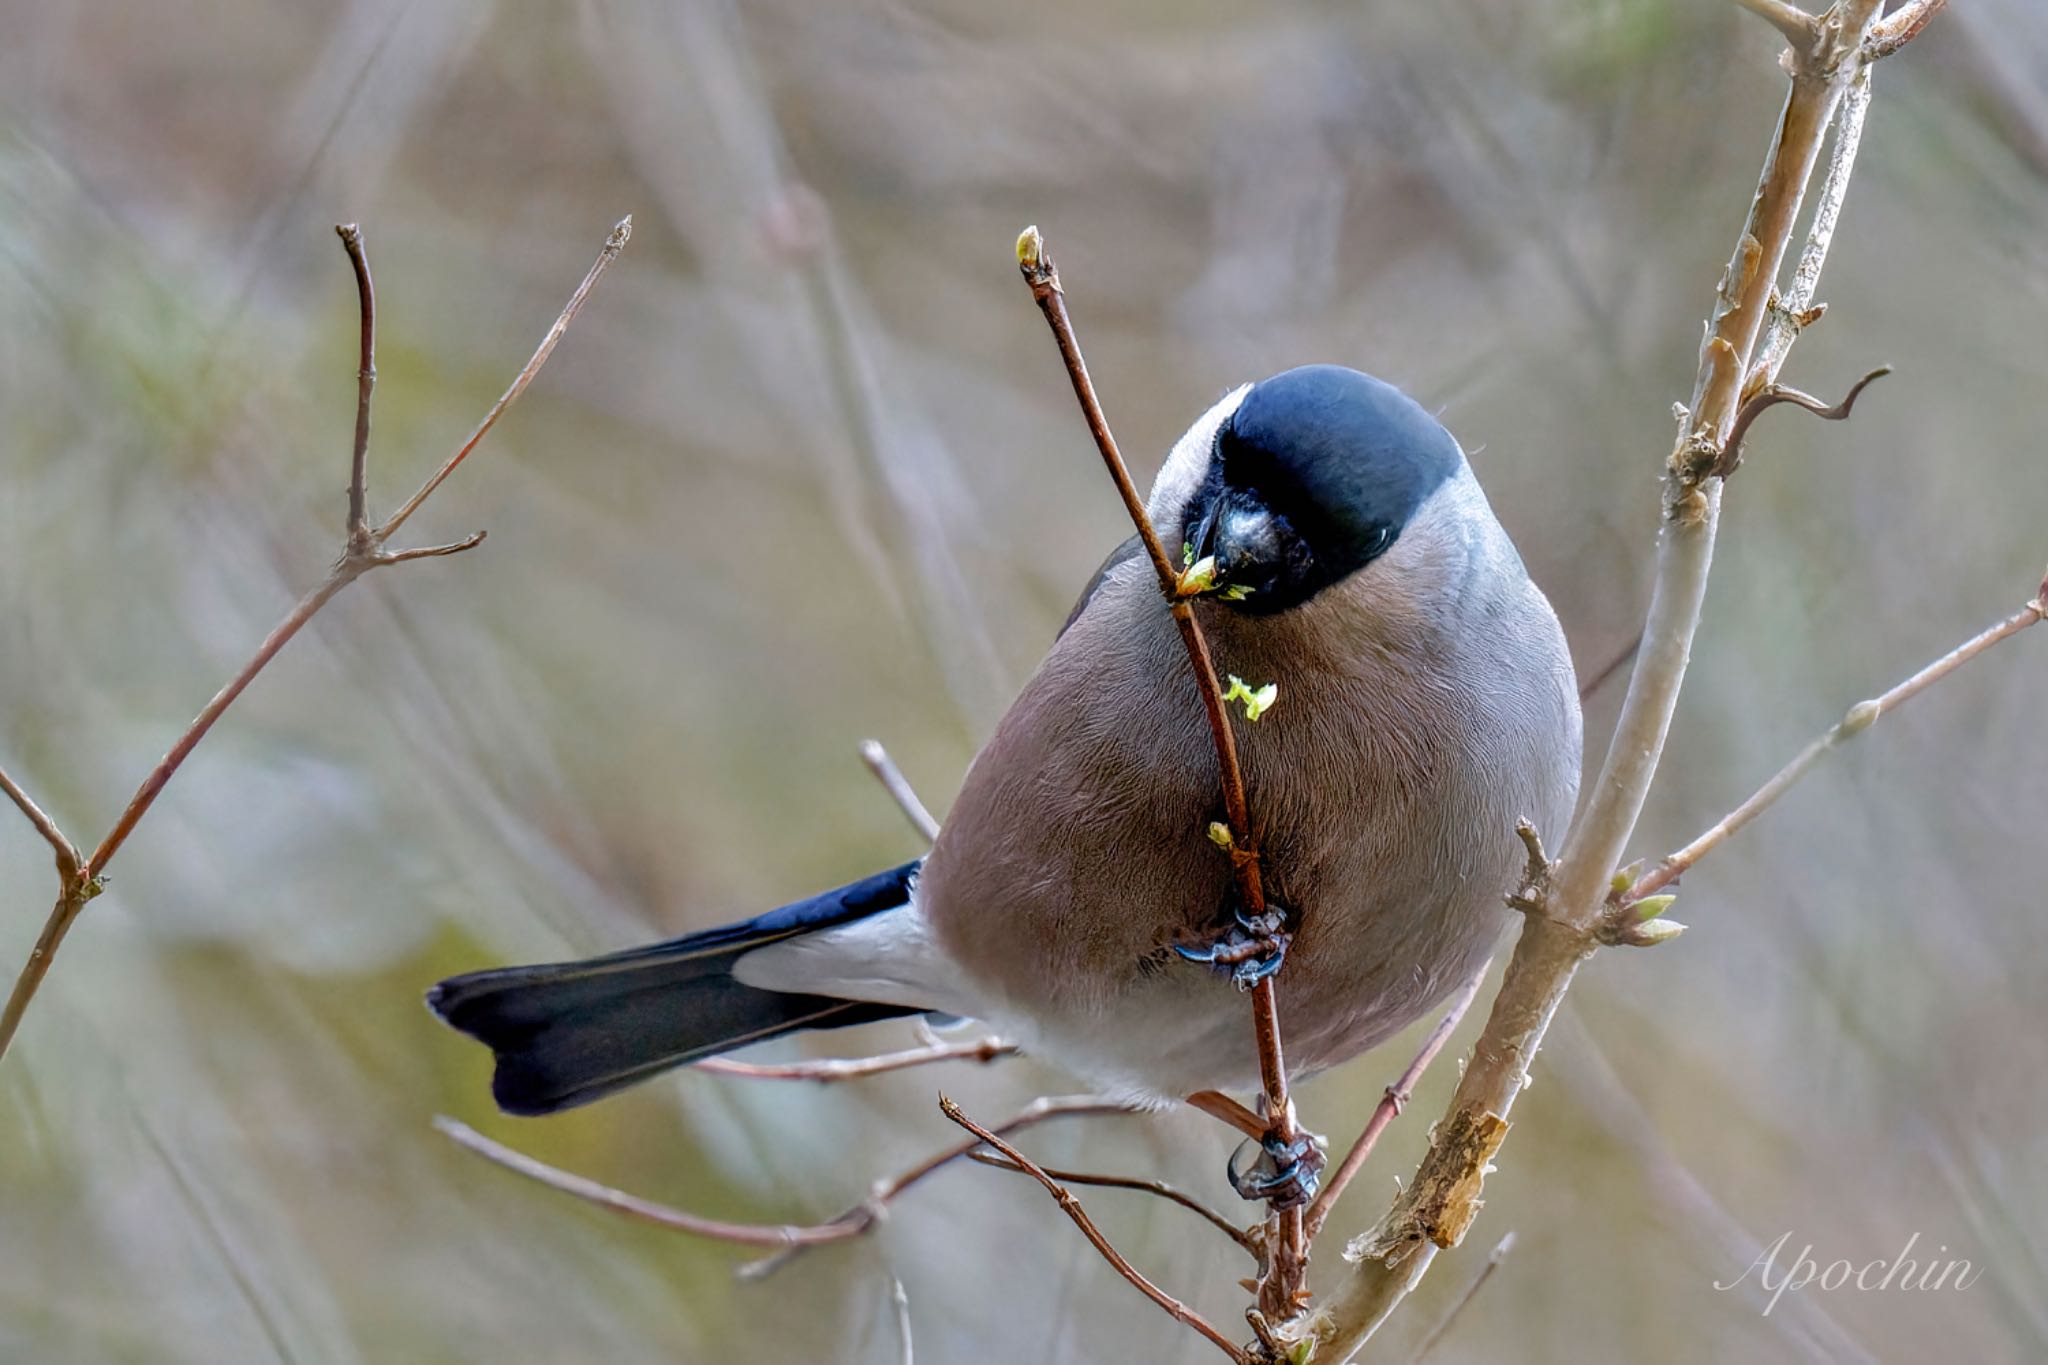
[{"x": 1309, "y": 477}]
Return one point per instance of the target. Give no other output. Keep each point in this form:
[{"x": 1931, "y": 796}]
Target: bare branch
[
  {"x": 1281, "y": 1289},
  {"x": 1390, "y": 1106},
  {"x": 454, "y": 547},
  {"x": 1800, "y": 28},
  {"x": 1900, "y": 27},
  {"x": 645, "y": 1210},
  {"x": 1439, "y": 1203},
  {"x": 612, "y": 247},
  {"x": 1071, "y": 1206},
  {"x": 898, "y": 786},
  {"x": 362, "y": 553},
  {"x": 1220, "y": 1106},
  {"x": 358, "y": 528},
  {"x": 997, "y": 1161},
  {"x": 1774, "y": 394},
  {"x": 1794, "y": 310},
  {"x": 67, "y": 853},
  {"x": 851, "y": 1068},
  {"x": 899, "y": 1300},
  {"x": 864, "y": 1215},
  {"x": 1859, "y": 718}
]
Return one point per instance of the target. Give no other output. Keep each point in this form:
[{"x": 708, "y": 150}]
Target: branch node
[{"x": 1532, "y": 897}]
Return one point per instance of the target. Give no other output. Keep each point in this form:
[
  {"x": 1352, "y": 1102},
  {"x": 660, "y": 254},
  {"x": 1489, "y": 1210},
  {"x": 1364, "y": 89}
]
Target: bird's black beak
[{"x": 1234, "y": 551}]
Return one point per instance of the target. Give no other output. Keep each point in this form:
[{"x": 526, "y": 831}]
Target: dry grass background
[{"x": 807, "y": 471}]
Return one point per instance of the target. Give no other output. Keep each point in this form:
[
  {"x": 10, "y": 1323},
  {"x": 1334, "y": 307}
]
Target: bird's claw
[
  {"x": 1252, "y": 950},
  {"x": 1282, "y": 1174}
]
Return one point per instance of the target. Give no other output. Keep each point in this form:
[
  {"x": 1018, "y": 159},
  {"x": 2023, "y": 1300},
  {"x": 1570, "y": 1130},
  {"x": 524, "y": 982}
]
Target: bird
[{"x": 1424, "y": 704}]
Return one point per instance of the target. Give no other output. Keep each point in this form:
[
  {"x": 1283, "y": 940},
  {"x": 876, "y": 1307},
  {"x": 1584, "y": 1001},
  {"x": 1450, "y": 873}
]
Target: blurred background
[{"x": 807, "y": 471}]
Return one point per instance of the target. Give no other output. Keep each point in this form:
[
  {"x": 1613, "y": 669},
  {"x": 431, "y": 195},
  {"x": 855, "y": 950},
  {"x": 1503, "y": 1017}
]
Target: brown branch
[
  {"x": 788, "y": 1237},
  {"x": 851, "y": 1068},
  {"x": 1773, "y": 394},
  {"x": 358, "y": 528},
  {"x": 1799, "y": 27},
  {"x": 898, "y": 786},
  {"x": 1900, "y": 27},
  {"x": 360, "y": 554},
  {"x": 996, "y": 1161},
  {"x": 1437, "y": 1206},
  {"x": 864, "y": 1215},
  {"x": 1220, "y": 1106},
  {"x": 1390, "y": 1106},
  {"x": 1280, "y": 1290},
  {"x": 616, "y": 243},
  {"x": 67, "y": 853},
  {"x": 1859, "y": 718},
  {"x": 1071, "y": 1206}
]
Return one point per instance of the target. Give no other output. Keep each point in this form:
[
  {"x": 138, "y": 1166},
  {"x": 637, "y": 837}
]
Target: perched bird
[{"x": 1425, "y": 704}]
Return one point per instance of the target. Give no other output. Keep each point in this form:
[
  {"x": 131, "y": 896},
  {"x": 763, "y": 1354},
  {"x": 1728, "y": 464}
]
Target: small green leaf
[
  {"x": 1187, "y": 553},
  {"x": 1198, "y": 577},
  {"x": 1257, "y": 703},
  {"x": 1236, "y": 592},
  {"x": 1649, "y": 907},
  {"x": 1219, "y": 834}
]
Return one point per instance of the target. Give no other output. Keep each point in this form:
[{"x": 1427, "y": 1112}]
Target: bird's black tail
[{"x": 568, "y": 1033}]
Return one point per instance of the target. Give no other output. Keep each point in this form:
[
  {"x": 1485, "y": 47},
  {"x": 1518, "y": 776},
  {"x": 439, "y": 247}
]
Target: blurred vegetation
[{"x": 807, "y": 471}]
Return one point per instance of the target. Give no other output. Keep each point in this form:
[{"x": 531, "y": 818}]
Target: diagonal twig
[
  {"x": 1281, "y": 1289},
  {"x": 999, "y": 1162},
  {"x": 1449, "y": 1320},
  {"x": 788, "y": 1238},
  {"x": 1390, "y": 1106},
  {"x": 363, "y": 552},
  {"x": 1773, "y": 394},
  {"x": 67, "y": 853},
  {"x": 1071, "y": 1206},
  {"x": 898, "y": 786},
  {"x": 852, "y": 1068},
  {"x": 1859, "y": 718}
]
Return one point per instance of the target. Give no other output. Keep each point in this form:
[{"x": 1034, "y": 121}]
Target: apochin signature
[{"x": 1802, "y": 1271}]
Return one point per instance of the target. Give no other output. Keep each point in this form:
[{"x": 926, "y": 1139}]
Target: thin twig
[
  {"x": 1859, "y": 718},
  {"x": 789, "y": 1237},
  {"x": 1281, "y": 1289},
  {"x": 1071, "y": 1206},
  {"x": 1442, "y": 1329},
  {"x": 1900, "y": 27},
  {"x": 360, "y": 554},
  {"x": 66, "y": 851},
  {"x": 1218, "y": 1105},
  {"x": 996, "y": 1161},
  {"x": 622, "y": 233},
  {"x": 864, "y": 1215},
  {"x": 358, "y": 527},
  {"x": 1771, "y": 396},
  {"x": 898, "y": 786},
  {"x": 1390, "y": 1105},
  {"x": 851, "y": 1068},
  {"x": 899, "y": 1300},
  {"x": 1799, "y": 27}
]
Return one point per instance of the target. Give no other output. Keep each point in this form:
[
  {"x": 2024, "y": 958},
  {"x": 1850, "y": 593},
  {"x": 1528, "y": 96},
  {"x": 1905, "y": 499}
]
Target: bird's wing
[{"x": 1130, "y": 549}]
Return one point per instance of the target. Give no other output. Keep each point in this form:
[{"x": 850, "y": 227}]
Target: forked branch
[{"x": 363, "y": 550}]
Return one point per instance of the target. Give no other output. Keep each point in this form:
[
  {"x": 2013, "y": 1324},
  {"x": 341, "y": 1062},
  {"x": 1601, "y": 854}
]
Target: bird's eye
[{"x": 1380, "y": 537}]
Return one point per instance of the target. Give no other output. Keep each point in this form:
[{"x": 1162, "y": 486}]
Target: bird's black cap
[{"x": 1321, "y": 468}]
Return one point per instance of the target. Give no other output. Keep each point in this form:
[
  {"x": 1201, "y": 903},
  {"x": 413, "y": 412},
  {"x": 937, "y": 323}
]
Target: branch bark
[
  {"x": 1440, "y": 1203},
  {"x": 363, "y": 550}
]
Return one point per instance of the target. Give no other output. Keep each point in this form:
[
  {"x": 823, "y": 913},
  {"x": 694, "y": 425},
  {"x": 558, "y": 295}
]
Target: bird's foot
[
  {"x": 1253, "y": 948},
  {"x": 1282, "y": 1174}
]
